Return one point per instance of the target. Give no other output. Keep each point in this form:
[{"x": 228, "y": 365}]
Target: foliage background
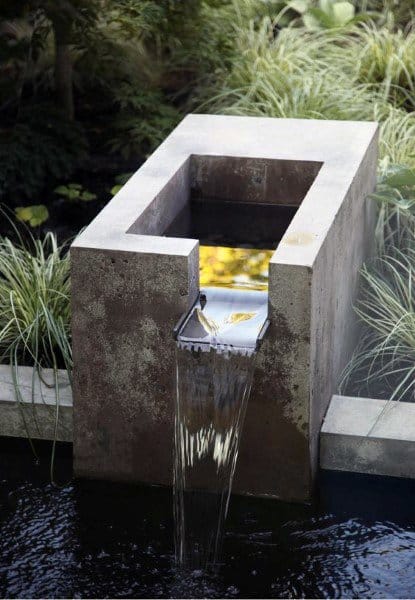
[{"x": 88, "y": 88}]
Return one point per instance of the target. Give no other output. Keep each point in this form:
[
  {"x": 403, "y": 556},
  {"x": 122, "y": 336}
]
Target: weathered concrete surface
[
  {"x": 125, "y": 305},
  {"x": 34, "y": 414},
  {"x": 123, "y": 314},
  {"x": 261, "y": 180},
  {"x": 365, "y": 435}
]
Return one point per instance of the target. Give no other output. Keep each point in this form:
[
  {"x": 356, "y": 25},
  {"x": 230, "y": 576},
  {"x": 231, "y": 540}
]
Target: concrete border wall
[
  {"x": 35, "y": 412},
  {"x": 359, "y": 435},
  {"x": 364, "y": 435}
]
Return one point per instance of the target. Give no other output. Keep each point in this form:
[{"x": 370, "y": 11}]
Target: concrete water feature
[{"x": 131, "y": 283}]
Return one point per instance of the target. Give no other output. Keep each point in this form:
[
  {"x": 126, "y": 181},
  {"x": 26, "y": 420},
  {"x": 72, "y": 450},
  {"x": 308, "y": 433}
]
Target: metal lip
[{"x": 182, "y": 322}]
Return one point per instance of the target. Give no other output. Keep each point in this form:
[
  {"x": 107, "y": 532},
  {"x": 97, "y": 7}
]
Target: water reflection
[{"x": 236, "y": 267}]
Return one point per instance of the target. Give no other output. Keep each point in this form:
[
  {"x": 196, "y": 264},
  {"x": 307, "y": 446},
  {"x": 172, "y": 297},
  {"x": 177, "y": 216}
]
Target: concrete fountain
[{"x": 135, "y": 274}]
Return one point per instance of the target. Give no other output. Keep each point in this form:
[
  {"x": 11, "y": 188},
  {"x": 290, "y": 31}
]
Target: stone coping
[
  {"x": 365, "y": 435},
  {"x": 338, "y": 145}
]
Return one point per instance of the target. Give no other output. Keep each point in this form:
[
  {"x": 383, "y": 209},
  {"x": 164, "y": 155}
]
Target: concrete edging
[
  {"x": 365, "y": 435},
  {"x": 361, "y": 435},
  {"x": 35, "y": 413}
]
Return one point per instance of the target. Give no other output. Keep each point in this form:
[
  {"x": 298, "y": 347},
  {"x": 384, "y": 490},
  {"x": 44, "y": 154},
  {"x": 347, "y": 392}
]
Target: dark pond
[{"x": 105, "y": 540}]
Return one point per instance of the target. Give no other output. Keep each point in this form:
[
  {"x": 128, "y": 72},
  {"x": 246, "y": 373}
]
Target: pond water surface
[{"x": 91, "y": 539}]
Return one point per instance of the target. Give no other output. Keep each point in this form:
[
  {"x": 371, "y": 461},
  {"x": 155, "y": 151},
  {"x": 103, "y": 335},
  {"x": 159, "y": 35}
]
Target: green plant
[
  {"x": 397, "y": 136},
  {"x": 309, "y": 74},
  {"x": 386, "y": 59},
  {"x": 120, "y": 181},
  {"x": 143, "y": 122},
  {"x": 332, "y": 14},
  {"x": 67, "y": 21},
  {"x": 384, "y": 363},
  {"x": 34, "y": 215},
  {"x": 74, "y": 192},
  {"x": 286, "y": 12},
  {"x": 41, "y": 146},
  {"x": 35, "y": 308},
  {"x": 395, "y": 196},
  {"x": 395, "y": 13},
  {"x": 296, "y": 74}
]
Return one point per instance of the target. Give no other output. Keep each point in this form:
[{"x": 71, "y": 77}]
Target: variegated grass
[
  {"x": 35, "y": 312},
  {"x": 386, "y": 353}
]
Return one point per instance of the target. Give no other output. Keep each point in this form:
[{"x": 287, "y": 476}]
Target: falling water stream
[{"x": 216, "y": 349}]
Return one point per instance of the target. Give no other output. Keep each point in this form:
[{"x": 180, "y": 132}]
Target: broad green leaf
[
  {"x": 120, "y": 180},
  {"x": 316, "y": 19},
  {"x": 87, "y": 196},
  {"x": 402, "y": 177},
  {"x": 70, "y": 192},
  {"x": 343, "y": 13},
  {"x": 74, "y": 191},
  {"x": 326, "y": 6},
  {"x": 116, "y": 189},
  {"x": 33, "y": 215},
  {"x": 61, "y": 189},
  {"x": 299, "y": 6}
]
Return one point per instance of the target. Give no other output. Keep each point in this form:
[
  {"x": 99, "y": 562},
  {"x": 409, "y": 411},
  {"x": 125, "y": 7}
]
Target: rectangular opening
[
  {"x": 238, "y": 209},
  {"x": 241, "y": 202}
]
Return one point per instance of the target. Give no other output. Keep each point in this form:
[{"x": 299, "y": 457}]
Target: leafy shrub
[
  {"x": 143, "y": 121},
  {"x": 42, "y": 146},
  {"x": 74, "y": 192},
  {"x": 331, "y": 14}
]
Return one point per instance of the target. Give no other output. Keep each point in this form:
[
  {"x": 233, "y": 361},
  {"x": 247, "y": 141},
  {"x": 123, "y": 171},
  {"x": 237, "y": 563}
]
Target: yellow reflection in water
[{"x": 237, "y": 267}]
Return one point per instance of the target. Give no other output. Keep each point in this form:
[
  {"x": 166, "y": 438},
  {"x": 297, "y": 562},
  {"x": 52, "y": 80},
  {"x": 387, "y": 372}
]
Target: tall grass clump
[
  {"x": 397, "y": 136},
  {"x": 35, "y": 310},
  {"x": 385, "y": 59},
  {"x": 396, "y": 13},
  {"x": 354, "y": 74},
  {"x": 384, "y": 363},
  {"x": 296, "y": 73}
]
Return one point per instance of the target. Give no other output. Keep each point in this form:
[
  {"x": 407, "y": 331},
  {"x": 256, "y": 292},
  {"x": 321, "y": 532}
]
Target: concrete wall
[
  {"x": 125, "y": 305},
  {"x": 130, "y": 284},
  {"x": 335, "y": 284},
  {"x": 259, "y": 180}
]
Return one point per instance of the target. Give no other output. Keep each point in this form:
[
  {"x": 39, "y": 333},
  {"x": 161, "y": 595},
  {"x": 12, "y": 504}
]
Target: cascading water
[{"x": 216, "y": 348}]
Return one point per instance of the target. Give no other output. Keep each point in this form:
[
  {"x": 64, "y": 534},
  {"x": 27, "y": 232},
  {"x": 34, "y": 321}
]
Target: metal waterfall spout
[{"x": 215, "y": 359}]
